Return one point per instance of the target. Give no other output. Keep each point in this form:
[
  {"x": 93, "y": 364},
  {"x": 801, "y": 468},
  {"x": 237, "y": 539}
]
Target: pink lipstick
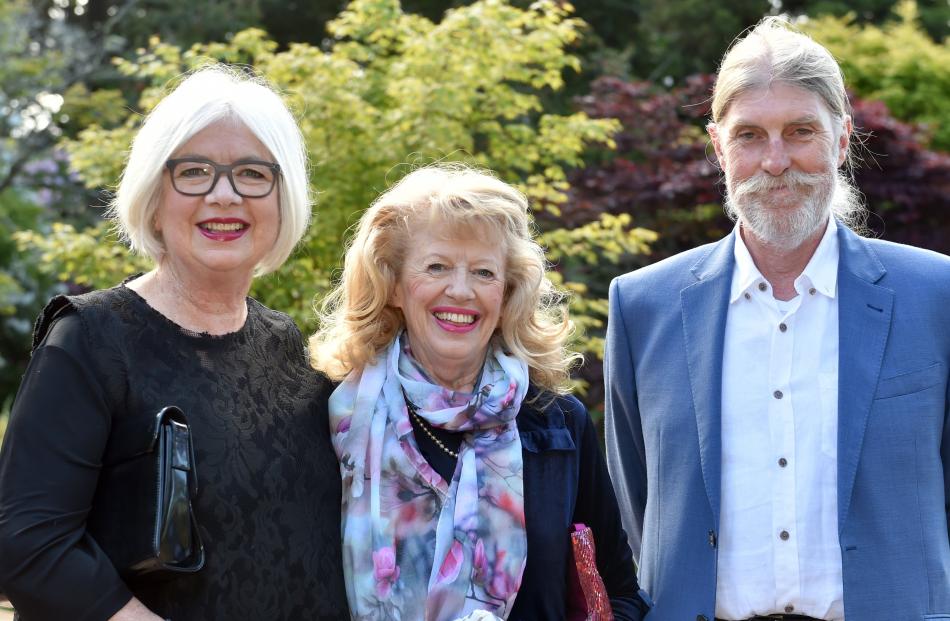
[
  {"x": 223, "y": 229},
  {"x": 458, "y": 320}
]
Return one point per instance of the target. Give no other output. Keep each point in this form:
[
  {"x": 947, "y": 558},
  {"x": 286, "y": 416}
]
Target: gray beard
[{"x": 784, "y": 227}]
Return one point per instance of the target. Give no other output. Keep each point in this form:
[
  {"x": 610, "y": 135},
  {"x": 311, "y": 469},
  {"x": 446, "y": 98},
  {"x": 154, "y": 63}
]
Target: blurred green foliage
[
  {"x": 41, "y": 60},
  {"x": 896, "y": 63},
  {"x": 24, "y": 285},
  {"x": 392, "y": 91},
  {"x": 379, "y": 90},
  {"x": 933, "y": 13}
]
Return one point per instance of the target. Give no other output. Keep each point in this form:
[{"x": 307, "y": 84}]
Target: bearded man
[{"x": 777, "y": 402}]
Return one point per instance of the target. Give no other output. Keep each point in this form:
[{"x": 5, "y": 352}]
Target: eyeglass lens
[{"x": 251, "y": 180}]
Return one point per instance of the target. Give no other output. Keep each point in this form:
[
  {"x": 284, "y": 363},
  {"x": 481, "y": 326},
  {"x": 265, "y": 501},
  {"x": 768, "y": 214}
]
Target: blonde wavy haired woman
[{"x": 465, "y": 463}]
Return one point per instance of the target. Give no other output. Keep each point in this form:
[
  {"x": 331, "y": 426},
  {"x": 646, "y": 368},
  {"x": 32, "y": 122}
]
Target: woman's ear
[{"x": 395, "y": 298}]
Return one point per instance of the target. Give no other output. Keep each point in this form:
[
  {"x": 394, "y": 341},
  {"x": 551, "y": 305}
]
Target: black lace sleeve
[{"x": 49, "y": 567}]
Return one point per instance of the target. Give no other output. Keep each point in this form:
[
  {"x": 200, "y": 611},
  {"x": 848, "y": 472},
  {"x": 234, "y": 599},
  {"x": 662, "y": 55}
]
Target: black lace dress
[{"x": 269, "y": 494}]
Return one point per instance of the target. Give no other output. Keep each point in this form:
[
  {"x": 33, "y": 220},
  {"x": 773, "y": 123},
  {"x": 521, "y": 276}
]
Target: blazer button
[{"x": 702, "y": 618}]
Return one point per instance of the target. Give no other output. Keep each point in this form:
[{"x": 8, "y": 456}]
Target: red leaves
[
  {"x": 660, "y": 171},
  {"x": 905, "y": 185},
  {"x": 664, "y": 174}
]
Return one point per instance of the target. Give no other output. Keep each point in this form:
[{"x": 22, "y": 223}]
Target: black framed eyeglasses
[{"x": 197, "y": 176}]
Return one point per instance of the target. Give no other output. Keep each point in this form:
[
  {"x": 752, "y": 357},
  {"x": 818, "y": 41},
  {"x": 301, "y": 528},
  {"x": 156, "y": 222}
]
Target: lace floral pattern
[{"x": 265, "y": 465}]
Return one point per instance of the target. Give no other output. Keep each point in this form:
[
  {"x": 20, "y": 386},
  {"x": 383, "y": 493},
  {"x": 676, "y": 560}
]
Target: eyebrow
[
  {"x": 805, "y": 120},
  {"x": 435, "y": 256},
  {"x": 802, "y": 120},
  {"x": 246, "y": 158}
]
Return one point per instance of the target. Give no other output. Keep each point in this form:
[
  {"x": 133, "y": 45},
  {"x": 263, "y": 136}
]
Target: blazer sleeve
[
  {"x": 626, "y": 456},
  {"x": 596, "y": 507},
  {"x": 945, "y": 454},
  {"x": 50, "y": 569}
]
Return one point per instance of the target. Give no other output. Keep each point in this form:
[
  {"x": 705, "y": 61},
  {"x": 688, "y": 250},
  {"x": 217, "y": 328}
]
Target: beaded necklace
[{"x": 425, "y": 427}]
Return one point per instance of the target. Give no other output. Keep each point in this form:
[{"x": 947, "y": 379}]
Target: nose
[
  {"x": 223, "y": 193},
  {"x": 460, "y": 286},
  {"x": 776, "y": 160}
]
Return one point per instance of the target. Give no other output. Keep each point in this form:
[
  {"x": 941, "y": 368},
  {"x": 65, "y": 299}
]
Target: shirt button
[
  {"x": 778, "y": 394},
  {"x": 763, "y": 286},
  {"x": 812, "y": 291},
  {"x": 782, "y": 327},
  {"x": 784, "y": 535},
  {"x": 747, "y": 295},
  {"x": 782, "y": 462},
  {"x": 789, "y": 608}
]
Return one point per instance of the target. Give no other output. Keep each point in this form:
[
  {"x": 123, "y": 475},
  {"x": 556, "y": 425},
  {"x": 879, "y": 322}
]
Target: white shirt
[{"x": 778, "y": 537}]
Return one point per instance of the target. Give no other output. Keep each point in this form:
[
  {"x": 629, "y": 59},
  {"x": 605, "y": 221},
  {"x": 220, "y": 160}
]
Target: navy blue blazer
[
  {"x": 565, "y": 482},
  {"x": 663, "y": 369}
]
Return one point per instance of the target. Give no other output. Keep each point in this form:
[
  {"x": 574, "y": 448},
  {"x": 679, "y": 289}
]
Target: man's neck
[{"x": 781, "y": 266}]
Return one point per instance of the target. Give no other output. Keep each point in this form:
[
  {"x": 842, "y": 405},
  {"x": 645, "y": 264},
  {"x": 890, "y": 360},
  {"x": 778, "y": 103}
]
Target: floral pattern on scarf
[{"x": 416, "y": 547}]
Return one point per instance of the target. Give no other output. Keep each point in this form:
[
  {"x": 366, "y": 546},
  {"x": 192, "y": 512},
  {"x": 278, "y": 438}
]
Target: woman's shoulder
[
  {"x": 282, "y": 327},
  {"x": 272, "y": 319},
  {"x": 552, "y": 409},
  {"x": 276, "y": 325},
  {"x": 85, "y": 328},
  {"x": 551, "y": 421},
  {"x": 88, "y": 308}
]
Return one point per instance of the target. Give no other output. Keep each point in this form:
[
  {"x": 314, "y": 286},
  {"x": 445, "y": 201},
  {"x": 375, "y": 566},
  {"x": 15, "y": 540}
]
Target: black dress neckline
[
  {"x": 152, "y": 311},
  {"x": 441, "y": 462}
]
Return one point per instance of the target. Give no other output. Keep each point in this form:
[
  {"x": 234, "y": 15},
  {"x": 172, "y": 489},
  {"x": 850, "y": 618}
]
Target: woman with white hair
[
  {"x": 467, "y": 467},
  {"x": 216, "y": 192}
]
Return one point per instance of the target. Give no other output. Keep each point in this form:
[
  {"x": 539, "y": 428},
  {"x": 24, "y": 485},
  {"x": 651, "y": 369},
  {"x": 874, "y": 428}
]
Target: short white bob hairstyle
[{"x": 206, "y": 96}]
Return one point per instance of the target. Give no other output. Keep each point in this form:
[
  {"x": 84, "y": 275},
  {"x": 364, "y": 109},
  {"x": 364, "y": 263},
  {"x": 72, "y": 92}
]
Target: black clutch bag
[{"x": 141, "y": 514}]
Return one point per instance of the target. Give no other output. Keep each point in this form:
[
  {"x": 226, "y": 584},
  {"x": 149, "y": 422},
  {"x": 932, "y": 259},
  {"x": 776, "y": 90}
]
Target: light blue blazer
[{"x": 663, "y": 369}]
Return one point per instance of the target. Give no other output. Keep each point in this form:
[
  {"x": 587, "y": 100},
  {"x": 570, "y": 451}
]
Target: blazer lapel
[
  {"x": 864, "y": 321},
  {"x": 704, "y": 306}
]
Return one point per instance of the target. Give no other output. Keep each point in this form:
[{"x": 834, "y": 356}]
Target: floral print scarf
[{"x": 416, "y": 547}]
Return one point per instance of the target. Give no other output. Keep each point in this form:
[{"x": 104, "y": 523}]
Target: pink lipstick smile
[
  {"x": 458, "y": 320},
  {"x": 223, "y": 229}
]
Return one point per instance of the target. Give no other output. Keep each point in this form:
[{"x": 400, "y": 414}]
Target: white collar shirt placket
[{"x": 778, "y": 544}]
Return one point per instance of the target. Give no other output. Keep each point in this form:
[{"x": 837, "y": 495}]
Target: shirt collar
[
  {"x": 822, "y": 270},
  {"x": 821, "y": 273}
]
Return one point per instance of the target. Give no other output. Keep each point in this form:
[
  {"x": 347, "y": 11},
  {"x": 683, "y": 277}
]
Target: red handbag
[{"x": 586, "y": 596}]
